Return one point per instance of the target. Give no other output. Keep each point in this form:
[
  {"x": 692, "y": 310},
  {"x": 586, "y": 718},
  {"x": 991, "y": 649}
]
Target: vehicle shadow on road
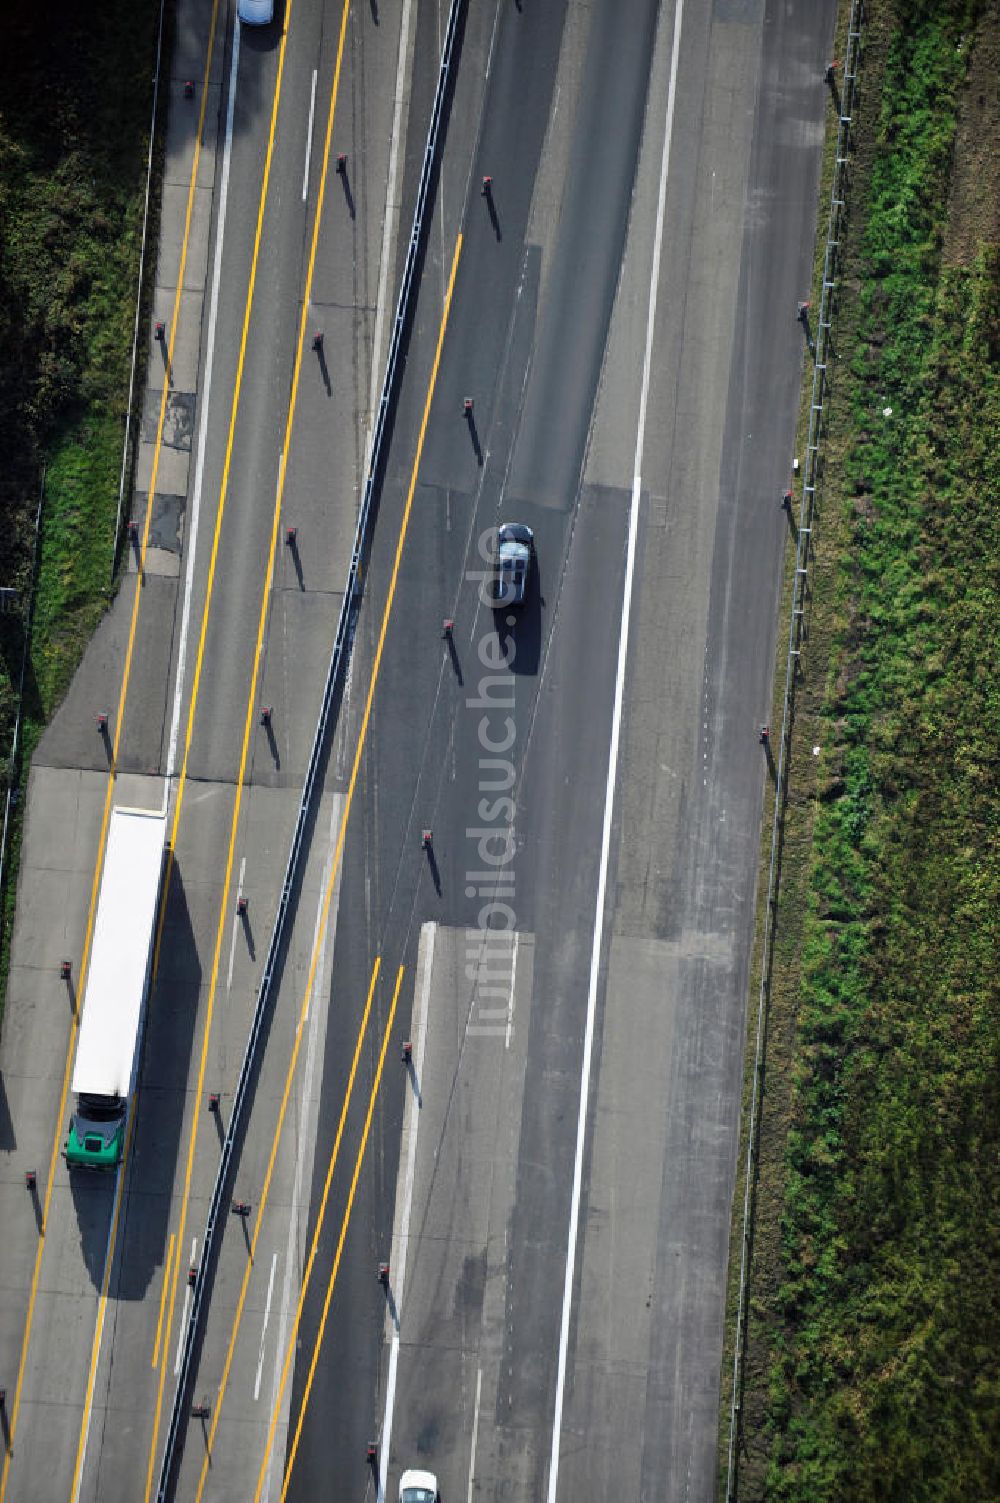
[
  {"x": 8, "y": 1137},
  {"x": 524, "y": 626},
  {"x": 93, "y": 1194}
]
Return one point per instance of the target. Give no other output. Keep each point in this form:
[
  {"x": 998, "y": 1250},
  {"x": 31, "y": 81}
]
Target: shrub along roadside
[
  {"x": 872, "y": 1368},
  {"x": 75, "y": 99}
]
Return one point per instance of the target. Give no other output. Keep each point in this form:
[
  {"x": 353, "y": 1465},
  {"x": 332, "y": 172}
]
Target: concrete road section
[
  {"x": 449, "y": 1303},
  {"x": 642, "y": 1398},
  {"x": 127, "y": 1375},
  {"x": 91, "y": 1396},
  {"x": 61, "y": 834}
]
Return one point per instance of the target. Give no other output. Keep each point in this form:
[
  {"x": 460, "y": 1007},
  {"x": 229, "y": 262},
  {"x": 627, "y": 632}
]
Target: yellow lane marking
[
  {"x": 263, "y": 1205},
  {"x": 333, "y": 1274},
  {"x": 163, "y": 1300},
  {"x": 348, "y": 800},
  {"x": 195, "y": 687},
  {"x": 112, "y": 774}
]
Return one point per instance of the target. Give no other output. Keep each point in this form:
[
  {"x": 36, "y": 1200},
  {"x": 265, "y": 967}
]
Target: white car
[
  {"x": 418, "y": 1487},
  {"x": 255, "y": 12}
]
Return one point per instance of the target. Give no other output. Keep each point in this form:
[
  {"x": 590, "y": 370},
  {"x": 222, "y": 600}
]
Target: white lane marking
[
  {"x": 184, "y": 1312},
  {"x": 412, "y": 1120},
  {"x": 263, "y": 1329},
  {"x": 475, "y": 1431},
  {"x": 306, "y": 1147},
  {"x": 204, "y": 398},
  {"x": 510, "y": 1003},
  {"x": 343, "y": 721},
  {"x": 309, "y": 139},
  {"x": 609, "y": 797},
  {"x": 236, "y": 923},
  {"x": 390, "y": 198}
]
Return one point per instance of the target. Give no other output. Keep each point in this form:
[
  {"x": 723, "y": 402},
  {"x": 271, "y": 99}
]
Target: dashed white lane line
[
  {"x": 309, "y": 139},
  {"x": 411, "y": 1123},
  {"x": 510, "y": 1003},
  {"x": 204, "y": 398},
  {"x": 236, "y": 923},
  {"x": 475, "y": 1432},
  {"x": 263, "y": 1329},
  {"x": 609, "y": 795}
]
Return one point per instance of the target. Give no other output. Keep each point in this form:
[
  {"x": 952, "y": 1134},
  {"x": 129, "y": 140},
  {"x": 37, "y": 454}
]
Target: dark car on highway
[{"x": 514, "y": 555}]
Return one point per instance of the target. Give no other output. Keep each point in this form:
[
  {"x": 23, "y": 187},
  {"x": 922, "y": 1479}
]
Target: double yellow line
[
  {"x": 317, "y": 946},
  {"x": 317, "y": 1344},
  {"x": 265, "y": 1193},
  {"x": 261, "y": 624},
  {"x": 109, "y": 793}
]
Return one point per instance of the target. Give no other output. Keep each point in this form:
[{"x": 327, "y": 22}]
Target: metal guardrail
[
  {"x": 795, "y": 635},
  {"x": 338, "y": 657}
]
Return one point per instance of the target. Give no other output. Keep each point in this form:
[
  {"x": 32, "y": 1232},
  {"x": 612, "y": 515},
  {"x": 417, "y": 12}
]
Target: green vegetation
[
  {"x": 75, "y": 99},
  {"x": 874, "y": 1350}
]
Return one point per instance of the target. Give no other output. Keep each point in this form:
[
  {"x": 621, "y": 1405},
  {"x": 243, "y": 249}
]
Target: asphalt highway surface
[
  {"x": 486, "y": 1183},
  {"x": 546, "y": 336}
]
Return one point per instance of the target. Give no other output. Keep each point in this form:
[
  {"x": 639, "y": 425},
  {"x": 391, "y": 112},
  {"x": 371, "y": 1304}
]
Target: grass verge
[
  {"x": 872, "y": 1361},
  {"x": 75, "y": 99}
]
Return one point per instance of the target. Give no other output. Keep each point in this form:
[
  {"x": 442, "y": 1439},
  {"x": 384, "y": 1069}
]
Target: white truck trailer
[{"x": 117, "y": 981}]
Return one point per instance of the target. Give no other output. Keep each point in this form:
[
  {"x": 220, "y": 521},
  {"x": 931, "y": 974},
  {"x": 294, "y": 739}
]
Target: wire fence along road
[
  {"x": 341, "y": 648},
  {"x": 796, "y": 630},
  {"x": 140, "y": 288},
  {"x": 27, "y": 615}
]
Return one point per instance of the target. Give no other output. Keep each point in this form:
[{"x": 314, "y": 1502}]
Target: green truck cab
[{"x": 96, "y": 1138}]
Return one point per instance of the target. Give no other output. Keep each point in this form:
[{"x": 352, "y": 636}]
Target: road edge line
[
  {"x": 204, "y": 397},
  {"x": 609, "y": 801}
]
